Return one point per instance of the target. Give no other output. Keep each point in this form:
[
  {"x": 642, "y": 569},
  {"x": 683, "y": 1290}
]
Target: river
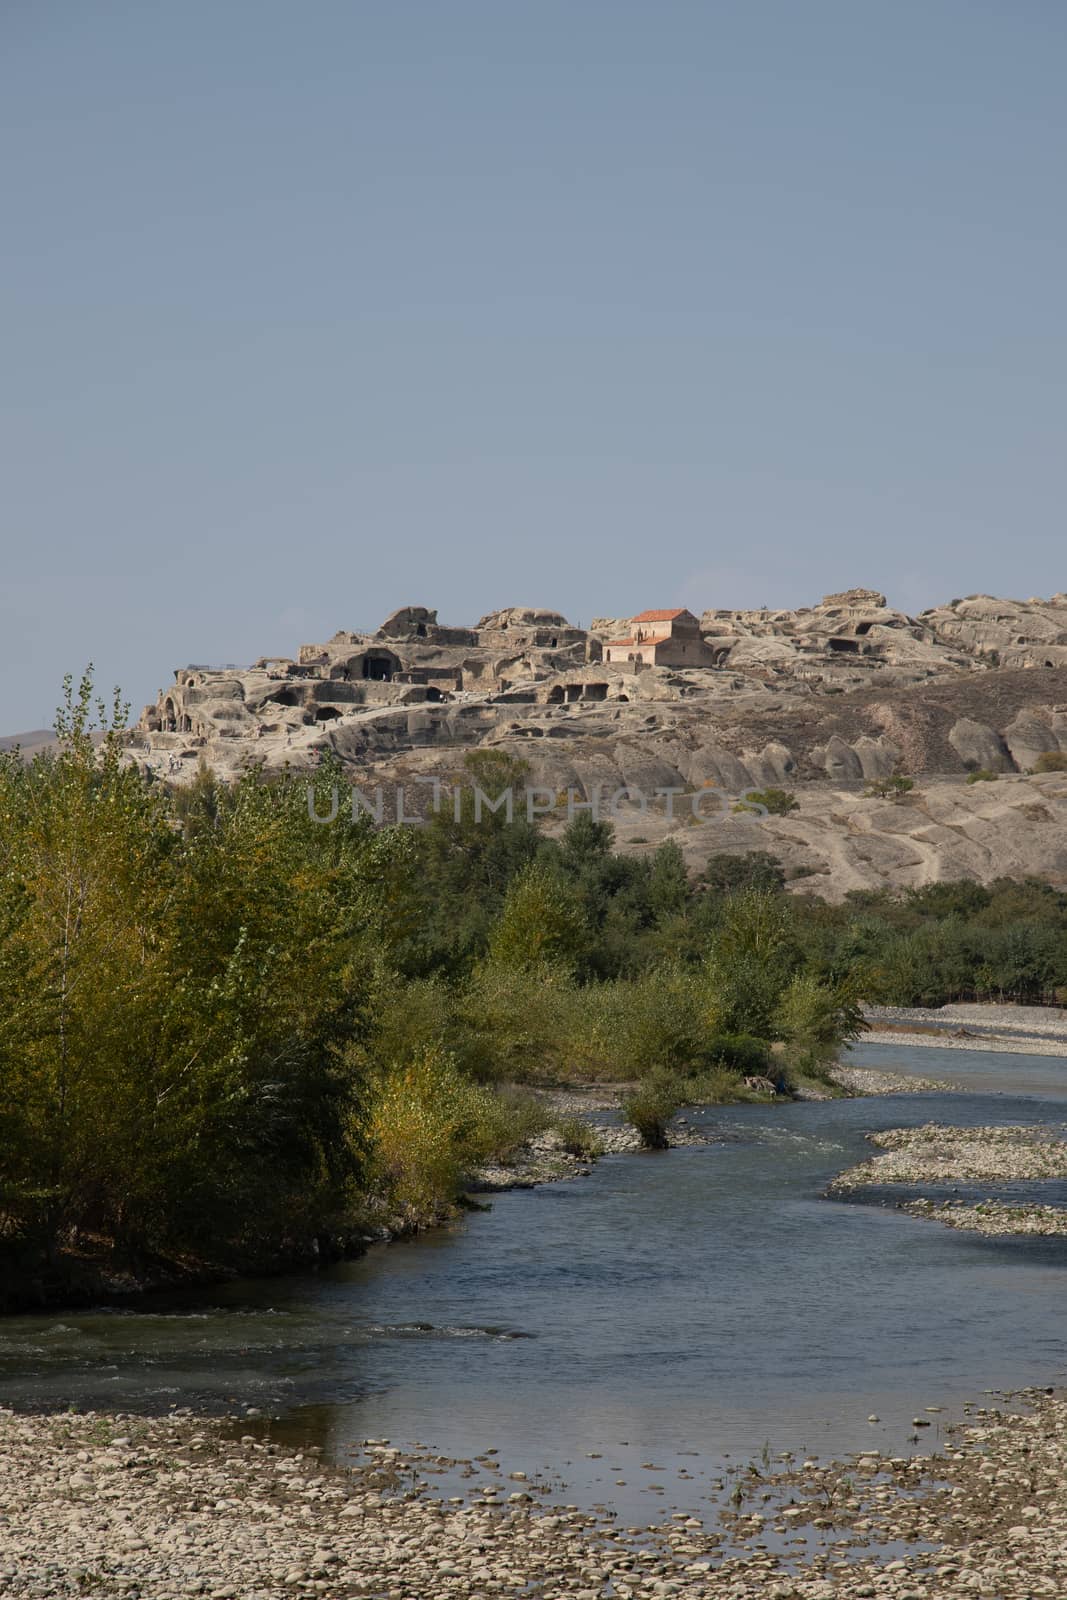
[{"x": 630, "y": 1334}]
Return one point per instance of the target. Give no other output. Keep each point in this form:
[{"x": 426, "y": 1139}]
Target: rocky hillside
[{"x": 842, "y": 693}]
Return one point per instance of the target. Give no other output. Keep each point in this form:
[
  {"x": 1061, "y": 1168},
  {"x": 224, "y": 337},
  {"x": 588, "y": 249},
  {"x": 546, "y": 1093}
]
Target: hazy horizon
[{"x": 316, "y": 313}]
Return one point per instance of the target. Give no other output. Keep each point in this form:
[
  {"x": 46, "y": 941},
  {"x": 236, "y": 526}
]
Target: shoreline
[
  {"x": 1000, "y": 1028},
  {"x": 978, "y": 1158},
  {"x": 939, "y": 1154},
  {"x": 96, "y": 1278},
  {"x": 543, "y": 1160},
  {"x": 166, "y": 1507},
  {"x": 992, "y": 1218}
]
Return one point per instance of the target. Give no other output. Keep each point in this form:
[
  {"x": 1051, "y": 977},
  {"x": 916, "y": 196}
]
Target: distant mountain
[{"x": 32, "y": 741}]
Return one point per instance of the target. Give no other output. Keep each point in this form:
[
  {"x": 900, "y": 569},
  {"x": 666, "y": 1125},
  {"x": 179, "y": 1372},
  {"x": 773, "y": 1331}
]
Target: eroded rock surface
[{"x": 847, "y": 693}]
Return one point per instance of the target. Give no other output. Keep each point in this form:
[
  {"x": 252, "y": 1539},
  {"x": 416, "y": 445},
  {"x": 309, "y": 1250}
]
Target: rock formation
[{"x": 836, "y": 695}]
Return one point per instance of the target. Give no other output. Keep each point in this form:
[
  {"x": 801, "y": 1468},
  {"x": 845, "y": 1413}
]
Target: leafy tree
[
  {"x": 752, "y": 958},
  {"x": 540, "y": 923},
  {"x": 465, "y": 865},
  {"x": 755, "y": 869},
  {"x": 668, "y": 886}
]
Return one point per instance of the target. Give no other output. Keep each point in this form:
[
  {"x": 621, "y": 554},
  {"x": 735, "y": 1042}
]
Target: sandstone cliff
[{"x": 842, "y": 693}]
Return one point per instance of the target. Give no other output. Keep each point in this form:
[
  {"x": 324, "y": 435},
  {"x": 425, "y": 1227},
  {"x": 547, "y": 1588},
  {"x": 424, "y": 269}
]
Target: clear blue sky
[{"x": 312, "y": 310}]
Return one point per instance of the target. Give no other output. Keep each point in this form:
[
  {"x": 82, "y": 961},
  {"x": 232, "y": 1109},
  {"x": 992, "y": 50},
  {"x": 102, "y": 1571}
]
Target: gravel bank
[
  {"x": 936, "y": 1154},
  {"x": 1008, "y": 1029},
  {"x": 872, "y": 1081},
  {"x": 544, "y": 1160},
  {"x": 990, "y": 1216},
  {"x": 166, "y": 1508}
]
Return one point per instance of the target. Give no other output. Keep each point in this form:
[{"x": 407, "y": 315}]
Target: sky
[{"x": 314, "y": 310}]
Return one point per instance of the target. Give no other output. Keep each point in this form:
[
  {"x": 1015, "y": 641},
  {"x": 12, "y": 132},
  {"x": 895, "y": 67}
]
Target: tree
[
  {"x": 755, "y": 869},
  {"x": 668, "y": 885},
  {"x": 752, "y": 957},
  {"x": 541, "y": 923},
  {"x": 464, "y": 865},
  {"x": 174, "y": 1002}
]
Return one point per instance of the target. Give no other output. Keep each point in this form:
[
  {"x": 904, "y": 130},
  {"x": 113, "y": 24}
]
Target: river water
[{"x": 669, "y": 1315}]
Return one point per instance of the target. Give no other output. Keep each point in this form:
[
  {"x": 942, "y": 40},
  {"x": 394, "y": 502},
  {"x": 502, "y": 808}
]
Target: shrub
[
  {"x": 755, "y": 869},
  {"x": 651, "y": 1106},
  {"x": 816, "y": 1017},
  {"x": 745, "y": 1054},
  {"x": 540, "y": 921},
  {"x": 508, "y": 1118},
  {"x": 982, "y": 775},
  {"x": 779, "y": 802},
  {"x": 578, "y": 1138},
  {"x": 716, "y": 1086},
  {"x": 540, "y": 1025},
  {"x": 1051, "y": 761},
  {"x": 517, "y": 1023},
  {"x": 429, "y": 1124},
  {"x": 657, "y": 1022},
  {"x": 893, "y": 788}
]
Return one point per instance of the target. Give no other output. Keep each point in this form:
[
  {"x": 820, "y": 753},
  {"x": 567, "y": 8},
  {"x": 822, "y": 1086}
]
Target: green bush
[
  {"x": 779, "y": 802},
  {"x": 429, "y": 1125},
  {"x": 651, "y": 1106},
  {"x": 172, "y": 1067},
  {"x": 754, "y": 869},
  {"x": 744, "y": 1054},
  {"x": 578, "y": 1138},
  {"x": 982, "y": 775},
  {"x": 712, "y": 1086},
  {"x": 541, "y": 922},
  {"x": 893, "y": 788}
]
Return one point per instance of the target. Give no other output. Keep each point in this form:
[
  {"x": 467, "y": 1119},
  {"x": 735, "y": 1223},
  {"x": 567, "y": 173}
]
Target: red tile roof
[{"x": 659, "y": 616}]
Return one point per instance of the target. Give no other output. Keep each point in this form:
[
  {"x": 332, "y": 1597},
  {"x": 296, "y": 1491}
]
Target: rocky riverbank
[
  {"x": 992, "y": 1217},
  {"x": 942, "y": 1155},
  {"x": 546, "y": 1157},
  {"x": 577, "y": 1139},
  {"x": 166, "y": 1508},
  {"x": 1005, "y": 1029},
  {"x": 91, "y": 1274},
  {"x": 865, "y": 1081}
]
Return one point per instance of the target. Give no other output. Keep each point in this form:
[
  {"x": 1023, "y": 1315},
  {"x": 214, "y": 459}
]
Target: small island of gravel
[
  {"x": 938, "y": 1154},
  {"x": 991, "y": 1216},
  {"x": 943, "y": 1155}
]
